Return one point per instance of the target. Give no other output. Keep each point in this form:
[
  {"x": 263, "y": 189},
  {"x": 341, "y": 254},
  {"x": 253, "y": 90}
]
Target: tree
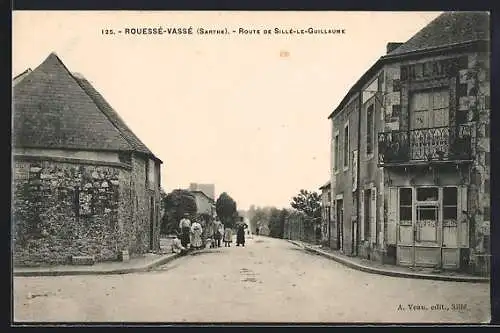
[
  {"x": 277, "y": 222},
  {"x": 259, "y": 218},
  {"x": 274, "y": 223},
  {"x": 309, "y": 203},
  {"x": 226, "y": 210},
  {"x": 175, "y": 204}
]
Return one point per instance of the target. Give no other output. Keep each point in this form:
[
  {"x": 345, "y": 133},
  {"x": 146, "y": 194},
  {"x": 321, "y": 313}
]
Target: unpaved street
[{"x": 269, "y": 280}]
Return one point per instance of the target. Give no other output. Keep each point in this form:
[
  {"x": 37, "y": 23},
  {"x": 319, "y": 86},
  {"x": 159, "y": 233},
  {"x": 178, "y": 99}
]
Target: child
[{"x": 177, "y": 245}]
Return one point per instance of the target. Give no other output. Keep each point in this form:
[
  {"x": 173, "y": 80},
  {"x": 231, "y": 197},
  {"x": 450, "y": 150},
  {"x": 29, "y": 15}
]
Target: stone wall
[
  {"x": 143, "y": 234},
  {"x": 64, "y": 209},
  {"x": 474, "y": 99}
]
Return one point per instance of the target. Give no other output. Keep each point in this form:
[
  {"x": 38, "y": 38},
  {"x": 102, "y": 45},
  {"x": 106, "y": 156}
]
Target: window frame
[
  {"x": 336, "y": 152},
  {"x": 370, "y": 135},
  {"x": 346, "y": 147}
]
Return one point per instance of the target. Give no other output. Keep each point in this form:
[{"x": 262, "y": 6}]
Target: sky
[{"x": 246, "y": 112}]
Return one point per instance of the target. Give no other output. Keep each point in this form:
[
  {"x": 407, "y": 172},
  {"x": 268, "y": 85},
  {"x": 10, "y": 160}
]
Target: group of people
[{"x": 192, "y": 236}]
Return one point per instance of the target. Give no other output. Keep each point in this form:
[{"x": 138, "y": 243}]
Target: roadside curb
[
  {"x": 144, "y": 268},
  {"x": 373, "y": 270}
]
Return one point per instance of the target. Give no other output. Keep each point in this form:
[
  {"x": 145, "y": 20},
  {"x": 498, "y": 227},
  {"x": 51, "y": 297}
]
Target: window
[
  {"x": 369, "y": 130},
  {"x": 429, "y": 109},
  {"x": 427, "y": 194},
  {"x": 336, "y": 154},
  {"x": 396, "y": 111},
  {"x": 405, "y": 206},
  {"x": 396, "y": 85},
  {"x": 486, "y": 213},
  {"x": 346, "y": 146},
  {"x": 450, "y": 208}
]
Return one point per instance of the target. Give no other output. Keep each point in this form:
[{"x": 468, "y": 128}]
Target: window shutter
[
  {"x": 392, "y": 206},
  {"x": 373, "y": 217}
]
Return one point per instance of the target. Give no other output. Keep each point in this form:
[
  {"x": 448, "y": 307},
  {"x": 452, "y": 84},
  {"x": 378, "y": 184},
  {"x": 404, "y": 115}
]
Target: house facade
[
  {"x": 83, "y": 183},
  {"x": 204, "y": 204},
  {"x": 421, "y": 141}
]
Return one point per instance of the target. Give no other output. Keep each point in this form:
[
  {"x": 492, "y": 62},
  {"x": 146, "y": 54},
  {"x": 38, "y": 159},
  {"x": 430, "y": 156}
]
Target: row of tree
[
  {"x": 271, "y": 220},
  {"x": 179, "y": 202}
]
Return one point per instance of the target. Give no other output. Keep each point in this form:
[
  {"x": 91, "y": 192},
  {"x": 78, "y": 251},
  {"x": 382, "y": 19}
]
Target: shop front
[{"x": 432, "y": 227}]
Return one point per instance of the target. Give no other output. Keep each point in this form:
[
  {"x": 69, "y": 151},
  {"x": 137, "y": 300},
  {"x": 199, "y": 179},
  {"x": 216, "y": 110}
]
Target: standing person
[
  {"x": 228, "y": 237},
  {"x": 218, "y": 232},
  {"x": 211, "y": 233},
  {"x": 185, "y": 229},
  {"x": 257, "y": 231},
  {"x": 196, "y": 231},
  {"x": 240, "y": 234}
]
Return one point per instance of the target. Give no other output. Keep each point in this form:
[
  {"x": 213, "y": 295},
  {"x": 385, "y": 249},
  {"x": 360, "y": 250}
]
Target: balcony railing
[{"x": 426, "y": 144}]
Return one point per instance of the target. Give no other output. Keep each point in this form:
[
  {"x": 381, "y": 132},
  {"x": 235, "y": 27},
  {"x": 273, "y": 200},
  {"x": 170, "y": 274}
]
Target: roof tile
[
  {"x": 449, "y": 28},
  {"x": 55, "y": 109}
]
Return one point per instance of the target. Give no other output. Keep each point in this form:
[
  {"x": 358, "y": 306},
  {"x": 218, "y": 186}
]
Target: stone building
[
  {"x": 204, "y": 204},
  {"x": 83, "y": 183},
  {"x": 410, "y": 151}
]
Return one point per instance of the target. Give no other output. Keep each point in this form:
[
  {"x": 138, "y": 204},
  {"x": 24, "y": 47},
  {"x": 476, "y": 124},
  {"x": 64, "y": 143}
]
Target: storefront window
[
  {"x": 427, "y": 194},
  {"x": 450, "y": 203},
  {"x": 405, "y": 205}
]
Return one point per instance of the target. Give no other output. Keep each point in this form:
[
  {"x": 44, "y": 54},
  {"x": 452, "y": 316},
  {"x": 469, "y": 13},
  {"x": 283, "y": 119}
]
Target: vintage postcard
[{"x": 251, "y": 167}]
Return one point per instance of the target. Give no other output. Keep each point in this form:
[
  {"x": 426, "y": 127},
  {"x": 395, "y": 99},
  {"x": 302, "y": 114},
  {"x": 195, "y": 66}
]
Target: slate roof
[
  {"x": 448, "y": 29},
  {"x": 53, "y": 108},
  {"x": 20, "y": 77},
  {"x": 326, "y": 185},
  {"x": 112, "y": 115},
  {"x": 203, "y": 193}
]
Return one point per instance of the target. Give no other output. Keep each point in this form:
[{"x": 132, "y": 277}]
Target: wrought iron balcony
[{"x": 426, "y": 144}]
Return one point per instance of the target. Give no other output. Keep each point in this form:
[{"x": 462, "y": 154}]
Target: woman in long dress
[
  {"x": 240, "y": 234},
  {"x": 228, "y": 237},
  {"x": 219, "y": 232},
  {"x": 196, "y": 231}
]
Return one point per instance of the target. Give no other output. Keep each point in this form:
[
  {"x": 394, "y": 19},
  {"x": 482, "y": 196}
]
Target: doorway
[
  {"x": 428, "y": 232},
  {"x": 151, "y": 223},
  {"x": 340, "y": 224}
]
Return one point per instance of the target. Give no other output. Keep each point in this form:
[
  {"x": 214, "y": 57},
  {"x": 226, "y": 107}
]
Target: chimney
[{"x": 392, "y": 46}]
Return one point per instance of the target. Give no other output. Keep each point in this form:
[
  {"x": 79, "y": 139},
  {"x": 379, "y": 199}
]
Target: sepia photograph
[{"x": 215, "y": 167}]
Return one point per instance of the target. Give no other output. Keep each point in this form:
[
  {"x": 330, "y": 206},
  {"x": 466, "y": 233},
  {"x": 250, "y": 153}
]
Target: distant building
[
  {"x": 410, "y": 175},
  {"x": 204, "y": 204},
  {"x": 83, "y": 183},
  {"x": 208, "y": 189}
]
